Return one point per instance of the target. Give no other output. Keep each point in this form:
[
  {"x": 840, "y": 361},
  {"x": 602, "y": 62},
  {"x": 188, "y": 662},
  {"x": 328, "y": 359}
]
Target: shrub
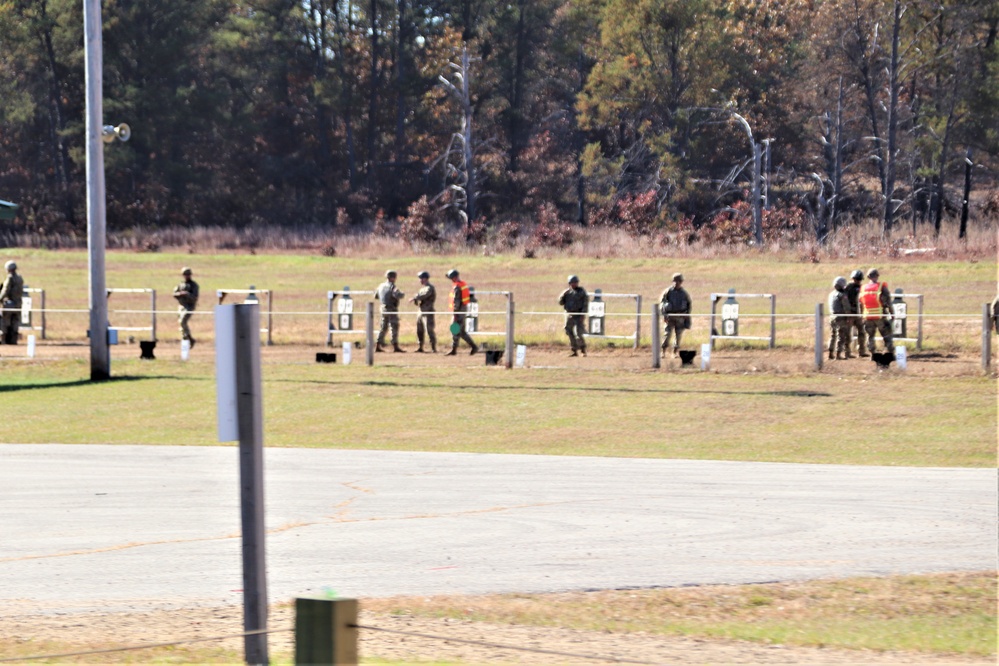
[
  {"x": 550, "y": 230},
  {"x": 422, "y": 223},
  {"x": 507, "y": 234}
]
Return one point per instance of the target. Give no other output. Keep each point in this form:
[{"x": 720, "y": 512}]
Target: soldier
[
  {"x": 674, "y": 304},
  {"x": 10, "y": 299},
  {"x": 878, "y": 311},
  {"x": 856, "y": 321},
  {"x": 576, "y": 302},
  {"x": 186, "y": 294},
  {"x": 461, "y": 296},
  {"x": 389, "y": 296},
  {"x": 425, "y": 299},
  {"x": 839, "y": 322}
]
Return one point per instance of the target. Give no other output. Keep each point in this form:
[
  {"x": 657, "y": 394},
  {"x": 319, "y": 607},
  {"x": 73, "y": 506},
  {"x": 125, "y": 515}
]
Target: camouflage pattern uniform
[
  {"x": 881, "y": 324},
  {"x": 425, "y": 299},
  {"x": 10, "y": 299},
  {"x": 389, "y": 296},
  {"x": 186, "y": 294},
  {"x": 576, "y": 302},
  {"x": 459, "y": 308},
  {"x": 839, "y": 321},
  {"x": 856, "y": 322},
  {"x": 673, "y": 304}
]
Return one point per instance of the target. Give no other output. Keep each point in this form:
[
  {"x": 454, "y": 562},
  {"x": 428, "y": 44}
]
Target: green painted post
[{"x": 326, "y": 631}]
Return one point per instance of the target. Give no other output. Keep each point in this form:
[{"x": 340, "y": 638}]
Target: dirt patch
[{"x": 402, "y": 638}]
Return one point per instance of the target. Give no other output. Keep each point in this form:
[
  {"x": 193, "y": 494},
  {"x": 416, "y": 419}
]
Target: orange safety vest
[
  {"x": 870, "y": 298},
  {"x": 466, "y": 295}
]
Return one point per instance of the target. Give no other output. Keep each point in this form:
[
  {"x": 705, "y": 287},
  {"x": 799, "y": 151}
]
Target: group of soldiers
[
  {"x": 854, "y": 307},
  {"x": 674, "y": 304},
  {"x": 866, "y": 308},
  {"x": 389, "y": 296}
]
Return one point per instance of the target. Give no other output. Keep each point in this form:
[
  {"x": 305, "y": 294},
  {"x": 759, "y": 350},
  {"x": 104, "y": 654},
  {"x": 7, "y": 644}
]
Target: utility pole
[{"x": 100, "y": 354}]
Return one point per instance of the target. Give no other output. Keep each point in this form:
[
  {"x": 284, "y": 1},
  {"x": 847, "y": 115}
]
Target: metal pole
[
  {"x": 818, "y": 336},
  {"x": 773, "y": 321},
  {"x": 100, "y": 352},
  {"x": 251, "y": 480},
  {"x": 509, "y": 331},
  {"x": 329, "y": 319},
  {"x": 656, "y": 351},
  {"x": 919, "y": 324},
  {"x": 369, "y": 334},
  {"x": 638, "y": 320},
  {"x": 43, "y": 314},
  {"x": 270, "y": 316},
  {"x": 711, "y": 332},
  {"x": 986, "y": 337},
  {"x": 757, "y": 212},
  {"x": 152, "y": 300}
]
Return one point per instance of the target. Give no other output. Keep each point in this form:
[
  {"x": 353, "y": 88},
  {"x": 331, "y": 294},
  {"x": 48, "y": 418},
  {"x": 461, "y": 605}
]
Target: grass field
[
  {"x": 761, "y": 406},
  {"x": 953, "y": 291}
]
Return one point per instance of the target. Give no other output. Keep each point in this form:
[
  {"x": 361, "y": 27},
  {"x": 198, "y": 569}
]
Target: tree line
[{"x": 649, "y": 114}]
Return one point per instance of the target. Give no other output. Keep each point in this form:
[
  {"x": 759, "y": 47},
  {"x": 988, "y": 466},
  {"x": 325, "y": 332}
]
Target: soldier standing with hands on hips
[
  {"x": 186, "y": 294},
  {"x": 389, "y": 296},
  {"x": 575, "y": 300},
  {"x": 461, "y": 296},
  {"x": 425, "y": 299},
  {"x": 11, "y": 294},
  {"x": 674, "y": 305}
]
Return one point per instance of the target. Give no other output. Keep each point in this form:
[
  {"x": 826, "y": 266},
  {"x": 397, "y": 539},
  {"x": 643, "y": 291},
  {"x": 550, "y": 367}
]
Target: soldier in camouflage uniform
[
  {"x": 11, "y": 294},
  {"x": 856, "y": 321},
  {"x": 576, "y": 301},
  {"x": 675, "y": 305},
  {"x": 425, "y": 299},
  {"x": 878, "y": 311},
  {"x": 458, "y": 302},
  {"x": 186, "y": 294},
  {"x": 389, "y": 296},
  {"x": 839, "y": 321}
]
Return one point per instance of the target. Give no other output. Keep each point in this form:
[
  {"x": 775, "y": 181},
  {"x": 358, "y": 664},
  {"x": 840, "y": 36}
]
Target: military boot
[
  {"x": 378, "y": 348},
  {"x": 583, "y": 349},
  {"x": 573, "y": 353},
  {"x": 454, "y": 350},
  {"x": 398, "y": 350},
  {"x": 475, "y": 350},
  {"x": 433, "y": 348},
  {"x": 831, "y": 355},
  {"x": 419, "y": 350}
]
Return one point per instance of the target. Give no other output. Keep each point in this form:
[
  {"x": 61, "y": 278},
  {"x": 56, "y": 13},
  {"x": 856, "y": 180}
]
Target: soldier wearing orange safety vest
[
  {"x": 461, "y": 296},
  {"x": 878, "y": 312}
]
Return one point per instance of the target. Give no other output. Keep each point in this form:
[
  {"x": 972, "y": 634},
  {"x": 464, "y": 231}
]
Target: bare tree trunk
[{"x": 892, "y": 133}]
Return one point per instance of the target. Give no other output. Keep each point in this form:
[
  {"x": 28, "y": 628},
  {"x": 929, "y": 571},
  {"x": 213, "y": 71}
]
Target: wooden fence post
[{"x": 326, "y": 631}]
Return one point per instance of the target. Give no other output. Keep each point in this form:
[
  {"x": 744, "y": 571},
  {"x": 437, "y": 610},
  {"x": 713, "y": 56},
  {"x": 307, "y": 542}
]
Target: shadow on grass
[
  {"x": 594, "y": 389},
  {"x": 71, "y": 383}
]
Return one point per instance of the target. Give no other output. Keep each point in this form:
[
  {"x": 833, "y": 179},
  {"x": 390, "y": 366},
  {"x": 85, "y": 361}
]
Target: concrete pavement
[{"x": 126, "y": 527}]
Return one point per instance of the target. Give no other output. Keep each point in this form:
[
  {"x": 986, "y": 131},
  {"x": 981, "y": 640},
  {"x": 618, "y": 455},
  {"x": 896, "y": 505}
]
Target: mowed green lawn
[
  {"x": 885, "y": 419},
  {"x": 953, "y": 291}
]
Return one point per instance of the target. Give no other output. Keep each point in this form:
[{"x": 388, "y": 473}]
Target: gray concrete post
[
  {"x": 369, "y": 334},
  {"x": 509, "y": 332},
  {"x": 656, "y": 343},
  {"x": 818, "y": 336}
]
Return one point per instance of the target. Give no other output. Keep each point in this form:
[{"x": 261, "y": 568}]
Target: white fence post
[{"x": 656, "y": 351}]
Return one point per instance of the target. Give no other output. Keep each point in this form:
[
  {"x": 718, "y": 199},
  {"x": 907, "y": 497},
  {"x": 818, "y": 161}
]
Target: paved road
[{"x": 120, "y": 527}]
